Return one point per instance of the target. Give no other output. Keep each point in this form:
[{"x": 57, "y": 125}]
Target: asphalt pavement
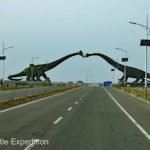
[{"x": 87, "y": 118}]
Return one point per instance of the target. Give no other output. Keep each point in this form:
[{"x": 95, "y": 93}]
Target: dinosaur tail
[{"x": 11, "y": 77}]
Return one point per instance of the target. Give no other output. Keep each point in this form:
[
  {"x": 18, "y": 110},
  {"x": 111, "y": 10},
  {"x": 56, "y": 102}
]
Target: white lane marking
[
  {"x": 76, "y": 102},
  {"x": 58, "y": 120},
  {"x": 36, "y": 101},
  {"x": 130, "y": 117},
  {"x": 31, "y": 145},
  {"x": 69, "y": 108},
  {"x": 84, "y": 94}
]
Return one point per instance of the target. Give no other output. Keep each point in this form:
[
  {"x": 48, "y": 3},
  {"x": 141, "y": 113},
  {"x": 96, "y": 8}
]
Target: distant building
[
  {"x": 79, "y": 82},
  {"x": 70, "y": 82}
]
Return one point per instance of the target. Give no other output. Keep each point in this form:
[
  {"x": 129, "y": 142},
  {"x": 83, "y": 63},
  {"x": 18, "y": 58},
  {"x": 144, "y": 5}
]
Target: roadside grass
[
  {"x": 16, "y": 101},
  {"x": 139, "y": 92}
]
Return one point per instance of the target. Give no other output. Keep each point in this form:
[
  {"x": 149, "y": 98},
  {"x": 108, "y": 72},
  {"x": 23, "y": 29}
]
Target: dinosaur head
[
  {"x": 81, "y": 53},
  {"x": 87, "y": 55}
]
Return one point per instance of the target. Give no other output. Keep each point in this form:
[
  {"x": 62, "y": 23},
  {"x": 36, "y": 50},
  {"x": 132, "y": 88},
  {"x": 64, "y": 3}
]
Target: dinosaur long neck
[
  {"x": 110, "y": 61},
  {"x": 57, "y": 62}
]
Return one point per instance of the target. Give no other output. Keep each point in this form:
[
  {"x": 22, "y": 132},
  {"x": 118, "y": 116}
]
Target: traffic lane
[
  {"x": 36, "y": 120},
  {"x": 138, "y": 109},
  {"x": 97, "y": 123},
  {"x": 28, "y": 91}
]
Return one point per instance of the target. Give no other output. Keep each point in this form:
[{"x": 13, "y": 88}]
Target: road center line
[
  {"x": 31, "y": 145},
  {"x": 58, "y": 120},
  {"x": 76, "y": 102},
  {"x": 130, "y": 117},
  {"x": 69, "y": 108}
]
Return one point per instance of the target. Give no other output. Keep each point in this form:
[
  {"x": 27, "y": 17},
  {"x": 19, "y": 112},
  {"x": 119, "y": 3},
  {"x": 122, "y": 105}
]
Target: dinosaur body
[
  {"x": 131, "y": 72},
  {"x": 39, "y": 70}
]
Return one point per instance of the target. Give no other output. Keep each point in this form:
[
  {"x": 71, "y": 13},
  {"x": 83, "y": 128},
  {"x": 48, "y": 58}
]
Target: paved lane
[
  {"x": 28, "y": 91},
  {"x": 83, "y": 119}
]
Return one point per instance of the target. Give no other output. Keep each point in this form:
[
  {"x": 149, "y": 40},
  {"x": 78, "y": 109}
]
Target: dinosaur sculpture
[
  {"x": 39, "y": 70},
  {"x": 131, "y": 72}
]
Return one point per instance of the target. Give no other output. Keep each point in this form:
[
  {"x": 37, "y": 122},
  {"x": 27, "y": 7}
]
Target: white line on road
[
  {"x": 83, "y": 95},
  {"x": 58, "y": 120},
  {"x": 36, "y": 101},
  {"x": 130, "y": 117},
  {"x": 69, "y": 108},
  {"x": 76, "y": 102},
  {"x": 31, "y": 145}
]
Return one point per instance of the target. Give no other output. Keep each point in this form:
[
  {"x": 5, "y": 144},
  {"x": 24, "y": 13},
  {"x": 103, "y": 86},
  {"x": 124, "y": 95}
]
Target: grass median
[
  {"x": 24, "y": 99},
  {"x": 15, "y": 87}
]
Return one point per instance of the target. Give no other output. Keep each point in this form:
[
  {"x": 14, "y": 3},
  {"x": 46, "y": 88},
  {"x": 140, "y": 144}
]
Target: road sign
[
  {"x": 31, "y": 65},
  {"x": 2, "y": 57},
  {"x": 124, "y": 59},
  {"x": 145, "y": 43}
]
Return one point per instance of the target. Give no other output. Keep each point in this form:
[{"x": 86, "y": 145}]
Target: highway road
[
  {"x": 87, "y": 118},
  {"x": 27, "y": 91}
]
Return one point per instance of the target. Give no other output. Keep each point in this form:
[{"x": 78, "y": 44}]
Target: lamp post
[
  {"x": 117, "y": 70},
  {"x": 125, "y": 59},
  {"x": 147, "y": 34},
  {"x": 3, "y": 58},
  {"x": 116, "y": 59},
  {"x": 87, "y": 76},
  {"x": 112, "y": 75},
  {"x": 32, "y": 66}
]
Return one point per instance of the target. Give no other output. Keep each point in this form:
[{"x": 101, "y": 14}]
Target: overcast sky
[{"x": 50, "y": 29}]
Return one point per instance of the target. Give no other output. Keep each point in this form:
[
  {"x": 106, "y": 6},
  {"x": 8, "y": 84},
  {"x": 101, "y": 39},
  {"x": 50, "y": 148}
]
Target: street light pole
[
  {"x": 145, "y": 95},
  {"x": 3, "y": 64},
  {"x": 117, "y": 71},
  {"x": 32, "y": 75},
  {"x": 3, "y": 61},
  {"x": 124, "y": 63},
  {"x": 112, "y": 75},
  {"x": 147, "y": 33}
]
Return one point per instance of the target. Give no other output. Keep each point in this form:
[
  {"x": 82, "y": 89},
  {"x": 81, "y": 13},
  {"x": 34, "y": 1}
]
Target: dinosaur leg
[
  {"x": 38, "y": 78},
  {"x": 28, "y": 78},
  {"x": 45, "y": 77},
  {"x": 126, "y": 79},
  {"x": 137, "y": 79},
  {"x": 34, "y": 78},
  {"x": 121, "y": 79},
  {"x": 142, "y": 80}
]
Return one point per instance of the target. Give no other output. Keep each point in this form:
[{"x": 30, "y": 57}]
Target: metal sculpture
[
  {"x": 39, "y": 70},
  {"x": 131, "y": 72}
]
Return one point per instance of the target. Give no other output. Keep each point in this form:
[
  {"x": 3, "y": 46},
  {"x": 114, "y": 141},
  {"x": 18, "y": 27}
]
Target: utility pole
[
  {"x": 146, "y": 51},
  {"x": 3, "y": 58},
  {"x": 32, "y": 67},
  {"x": 125, "y": 59}
]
